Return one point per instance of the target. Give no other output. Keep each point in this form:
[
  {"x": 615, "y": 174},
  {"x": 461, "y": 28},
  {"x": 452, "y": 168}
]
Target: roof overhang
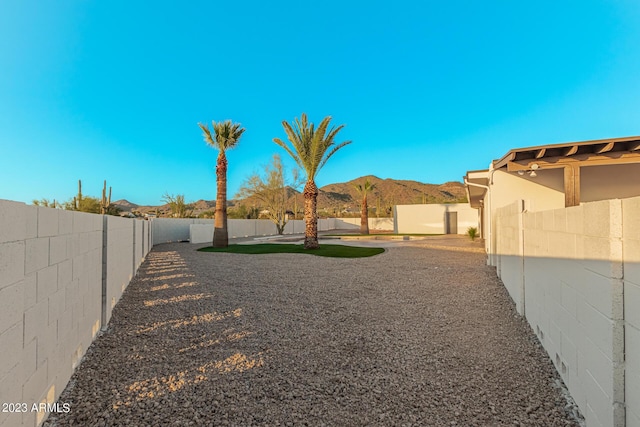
[
  {"x": 476, "y": 183},
  {"x": 585, "y": 153}
]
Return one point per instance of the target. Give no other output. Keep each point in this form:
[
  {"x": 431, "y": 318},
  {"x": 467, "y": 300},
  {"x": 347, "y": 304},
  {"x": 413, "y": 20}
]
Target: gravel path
[{"x": 423, "y": 334}]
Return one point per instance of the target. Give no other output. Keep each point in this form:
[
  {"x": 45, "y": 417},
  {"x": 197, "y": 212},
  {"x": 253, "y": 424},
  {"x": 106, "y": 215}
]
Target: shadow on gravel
[
  {"x": 415, "y": 336},
  {"x": 167, "y": 339}
]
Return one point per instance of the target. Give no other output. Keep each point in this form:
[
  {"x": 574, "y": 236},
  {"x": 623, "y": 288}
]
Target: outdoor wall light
[
  {"x": 535, "y": 166},
  {"x": 533, "y": 174},
  {"x": 521, "y": 172}
]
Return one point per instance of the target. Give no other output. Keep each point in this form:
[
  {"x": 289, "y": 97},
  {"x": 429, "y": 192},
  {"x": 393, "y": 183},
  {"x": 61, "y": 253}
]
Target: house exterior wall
[
  {"x": 540, "y": 193},
  {"x": 51, "y": 297},
  {"x": 544, "y": 192},
  {"x": 575, "y": 276},
  {"x": 430, "y": 218},
  {"x": 609, "y": 182}
]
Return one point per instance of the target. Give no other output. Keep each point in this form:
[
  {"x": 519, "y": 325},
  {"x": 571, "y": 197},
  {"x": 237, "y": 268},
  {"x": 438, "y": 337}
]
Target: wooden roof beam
[
  {"x": 570, "y": 151},
  {"x": 634, "y": 146},
  {"x": 540, "y": 154},
  {"x": 571, "y": 185},
  {"x": 603, "y": 148},
  {"x": 612, "y": 158}
]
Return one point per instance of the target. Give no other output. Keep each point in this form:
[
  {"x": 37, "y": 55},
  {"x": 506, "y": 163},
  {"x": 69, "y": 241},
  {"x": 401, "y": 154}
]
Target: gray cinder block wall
[
  {"x": 60, "y": 273},
  {"x": 575, "y": 274}
]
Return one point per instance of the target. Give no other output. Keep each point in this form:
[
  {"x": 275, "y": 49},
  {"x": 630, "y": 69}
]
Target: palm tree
[
  {"x": 310, "y": 148},
  {"x": 226, "y": 136},
  {"x": 363, "y": 189}
]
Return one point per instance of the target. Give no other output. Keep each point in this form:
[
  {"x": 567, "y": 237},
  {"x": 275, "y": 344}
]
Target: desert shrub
[{"x": 472, "y": 232}]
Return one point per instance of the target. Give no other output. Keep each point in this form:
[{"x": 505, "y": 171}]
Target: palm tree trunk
[
  {"x": 220, "y": 231},
  {"x": 364, "y": 216},
  {"x": 311, "y": 215}
]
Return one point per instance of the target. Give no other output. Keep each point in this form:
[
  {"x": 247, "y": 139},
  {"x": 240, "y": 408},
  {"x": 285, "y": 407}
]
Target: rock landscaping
[{"x": 422, "y": 335}]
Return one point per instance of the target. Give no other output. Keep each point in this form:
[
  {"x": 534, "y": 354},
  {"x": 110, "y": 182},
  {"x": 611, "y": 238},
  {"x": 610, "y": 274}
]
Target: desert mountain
[
  {"x": 341, "y": 197},
  {"x": 388, "y": 192},
  {"x": 125, "y": 205}
]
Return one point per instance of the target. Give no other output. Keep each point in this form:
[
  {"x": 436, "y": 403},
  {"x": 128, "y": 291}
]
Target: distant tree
[
  {"x": 82, "y": 203},
  {"x": 226, "y": 135},
  {"x": 206, "y": 214},
  {"x": 243, "y": 212},
  {"x": 272, "y": 189},
  {"x": 85, "y": 204},
  {"x": 310, "y": 148},
  {"x": 47, "y": 203},
  {"x": 363, "y": 189},
  {"x": 179, "y": 209}
]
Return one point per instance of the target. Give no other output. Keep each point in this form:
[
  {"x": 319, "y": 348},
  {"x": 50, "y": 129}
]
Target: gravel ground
[{"x": 421, "y": 335}]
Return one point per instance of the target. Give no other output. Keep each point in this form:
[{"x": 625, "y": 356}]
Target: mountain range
[{"x": 339, "y": 197}]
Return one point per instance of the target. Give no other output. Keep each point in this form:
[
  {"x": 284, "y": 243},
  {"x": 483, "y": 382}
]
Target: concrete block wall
[
  {"x": 251, "y": 227},
  {"x": 374, "y": 223},
  {"x": 294, "y": 226},
  {"x": 203, "y": 233},
  {"x": 120, "y": 260},
  {"x": 166, "y": 230},
  {"x": 631, "y": 260},
  {"x": 510, "y": 266},
  {"x": 580, "y": 274},
  {"x": 51, "y": 274}
]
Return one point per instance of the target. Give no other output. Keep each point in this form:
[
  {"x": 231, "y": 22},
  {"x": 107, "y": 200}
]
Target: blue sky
[{"x": 114, "y": 90}]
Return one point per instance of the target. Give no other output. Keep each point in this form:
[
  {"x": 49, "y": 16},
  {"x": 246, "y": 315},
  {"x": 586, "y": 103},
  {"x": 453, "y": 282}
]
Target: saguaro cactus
[
  {"x": 105, "y": 202},
  {"x": 77, "y": 201}
]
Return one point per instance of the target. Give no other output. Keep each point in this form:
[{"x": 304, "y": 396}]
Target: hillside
[
  {"x": 388, "y": 192},
  {"x": 341, "y": 197}
]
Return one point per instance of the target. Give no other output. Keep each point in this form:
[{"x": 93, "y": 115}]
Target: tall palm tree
[
  {"x": 310, "y": 148},
  {"x": 226, "y": 135},
  {"x": 363, "y": 189}
]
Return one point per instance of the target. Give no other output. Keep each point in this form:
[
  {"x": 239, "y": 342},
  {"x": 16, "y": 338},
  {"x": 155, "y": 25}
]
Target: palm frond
[
  {"x": 333, "y": 151},
  {"x": 308, "y": 144},
  {"x": 226, "y": 134},
  {"x": 207, "y": 135}
]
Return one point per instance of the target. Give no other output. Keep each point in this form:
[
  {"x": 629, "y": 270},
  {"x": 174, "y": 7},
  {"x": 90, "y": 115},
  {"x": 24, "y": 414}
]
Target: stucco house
[
  {"x": 561, "y": 225},
  {"x": 555, "y": 176}
]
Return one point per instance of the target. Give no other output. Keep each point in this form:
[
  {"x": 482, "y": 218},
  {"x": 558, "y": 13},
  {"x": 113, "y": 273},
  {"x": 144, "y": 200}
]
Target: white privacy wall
[
  {"x": 576, "y": 278},
  {"x": 51, "y": 297},
  {"x": 374, "y": 223},
  {"x": 126, "y": 245},
  {"x": 509, "y": 245},
  {"x": 631, "y": 262},
  {"x": 430, "y": 219},
  {"x": 201, "y": 230},
  {"x": 173, "y": 229}
]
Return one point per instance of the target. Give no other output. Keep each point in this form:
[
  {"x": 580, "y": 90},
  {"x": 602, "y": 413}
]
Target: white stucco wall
[
  {"x": 579, "y": 273},
  {"x": 51, "y": 307},
  {"x": 430, "y": 219}
]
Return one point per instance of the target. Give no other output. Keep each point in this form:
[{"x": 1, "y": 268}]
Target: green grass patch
[{"x": 336, "y": 251}]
